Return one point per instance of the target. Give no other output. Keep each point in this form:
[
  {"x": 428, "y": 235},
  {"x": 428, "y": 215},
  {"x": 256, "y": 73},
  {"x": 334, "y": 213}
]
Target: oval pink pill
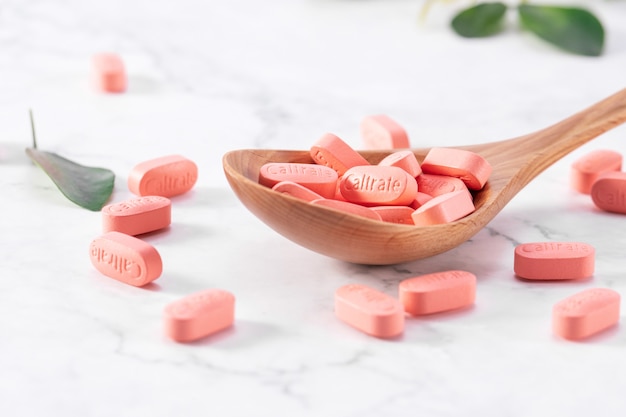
[
  {"x": 435, "y": 185},
  {"x": 471, "y": 168},
  {"x": 554, "y": 260},
  {"x": 586, "y": 169},
  {"x": 444, "y": 208},
  {"x": 586, "y": 313},
  {"x": 608, "y": 192},
  {"x": 109, "y": 74},
  {"x": 382, "y": 132},
  {"x": 166, "y": 176},
  {"x": 331, "y": 151},
  {"x": 318, "y": 178},
  {"x": 296, "y": 190},
  {"x": 138, "y": 215},
  {"x": 438, "y": 292},
  {"x": 377, "y": 185},
  {"x": 125, "y": 258},
  {"x": 199, "y": 315},
  {"x": 403, "y": 159},
  {"x": 369, "y": 310}
]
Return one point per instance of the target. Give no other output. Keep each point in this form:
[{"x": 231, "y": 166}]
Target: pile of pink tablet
[{"x": 398, "y": 189}]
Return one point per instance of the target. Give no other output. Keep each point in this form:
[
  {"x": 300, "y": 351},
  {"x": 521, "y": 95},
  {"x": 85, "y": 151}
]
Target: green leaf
[
  {"x": 570, "y": 28},
  {"x": 88, "y": 187},
  {"x": 484, "y": 19}
]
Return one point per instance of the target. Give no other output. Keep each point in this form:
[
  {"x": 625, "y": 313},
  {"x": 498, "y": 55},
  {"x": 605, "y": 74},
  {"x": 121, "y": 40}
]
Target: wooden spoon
[{"x": 351, "y": 238}]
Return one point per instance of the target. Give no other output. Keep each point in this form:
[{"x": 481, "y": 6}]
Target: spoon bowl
[{"x": 351, "y": 238}]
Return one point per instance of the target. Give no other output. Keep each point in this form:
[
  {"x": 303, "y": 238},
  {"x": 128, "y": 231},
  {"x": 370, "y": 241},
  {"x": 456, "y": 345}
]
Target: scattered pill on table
[
  {"x": 608, "y": 192},
  {"x": 586, "y": 169},
  {"x": 166, "y": 176},
  {"x": 199, "y": 315},
  {"x": 586, "y": 313},
  {"x": 438, "y": 292},
  {"x": 137, "y": 215},
  {"x": 369, "y": 310},
  {"x": 109, "y": 73},
  {"x": 125, "y": 258},
  {"x": 554, "y": 260}
]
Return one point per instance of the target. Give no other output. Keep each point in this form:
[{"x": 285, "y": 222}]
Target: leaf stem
[{"x": 32, "y": 128}]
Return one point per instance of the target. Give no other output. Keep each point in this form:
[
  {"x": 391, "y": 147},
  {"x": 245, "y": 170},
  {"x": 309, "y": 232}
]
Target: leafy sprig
[{"x": 572, "y": 29}]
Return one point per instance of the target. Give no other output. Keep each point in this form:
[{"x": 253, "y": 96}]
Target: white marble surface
[{"x": 207, "y": 77}]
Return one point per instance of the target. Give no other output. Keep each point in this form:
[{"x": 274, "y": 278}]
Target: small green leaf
[
  {"x": 484, "y": 19},
  {"x": 570, "y": 28},
  {"x": 88, "y": 187}
]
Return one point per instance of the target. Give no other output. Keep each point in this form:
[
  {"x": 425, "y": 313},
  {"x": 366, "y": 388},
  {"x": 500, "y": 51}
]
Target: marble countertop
[{"x": 206, "y": 77}]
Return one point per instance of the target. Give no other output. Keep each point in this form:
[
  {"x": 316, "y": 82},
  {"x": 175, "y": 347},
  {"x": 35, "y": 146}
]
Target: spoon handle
[
  {"x": 534, "y": 152},
  {"x": 580, "y": 128}
]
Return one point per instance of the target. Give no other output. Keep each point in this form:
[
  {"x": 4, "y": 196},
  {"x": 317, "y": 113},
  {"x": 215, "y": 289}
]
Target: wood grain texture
[{"x": 350, "y": 238}]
